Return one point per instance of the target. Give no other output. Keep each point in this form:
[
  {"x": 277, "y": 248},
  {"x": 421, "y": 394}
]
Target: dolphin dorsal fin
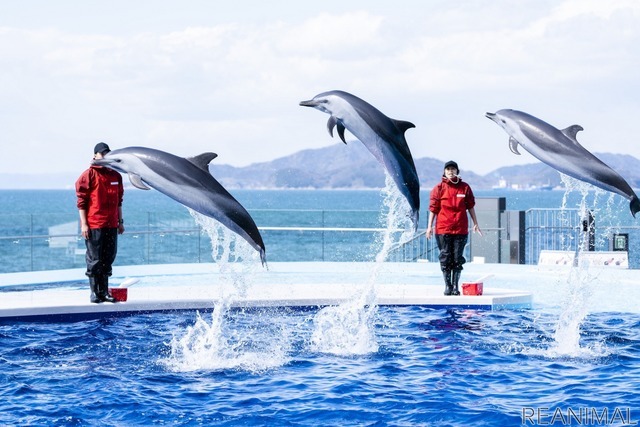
[
  {"x": 513, "y": 145},
  {"x": 403, "y": 125},
  {"x": 202, "y": 161},
  {"x": 137, "y": 182},
  {"x": 572, "y": 131}
]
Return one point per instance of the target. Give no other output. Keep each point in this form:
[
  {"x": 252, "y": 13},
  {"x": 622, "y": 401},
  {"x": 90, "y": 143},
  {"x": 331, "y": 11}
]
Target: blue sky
[{"x": 194, "y": 76}]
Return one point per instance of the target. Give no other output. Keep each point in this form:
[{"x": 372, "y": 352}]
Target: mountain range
[{"x": 350, "y": 167}]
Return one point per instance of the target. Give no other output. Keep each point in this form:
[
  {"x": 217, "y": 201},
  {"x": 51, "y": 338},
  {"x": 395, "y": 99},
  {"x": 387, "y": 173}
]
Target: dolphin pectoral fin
[
  {"x": 202, "y": 161},
  {"x": 341, "y": 132},
  {"x": 331, "y": 124},
  {"x": 513, "y": 145},
  {"x": 137, "y": 182},
  {"x": 572, "y": 131}
]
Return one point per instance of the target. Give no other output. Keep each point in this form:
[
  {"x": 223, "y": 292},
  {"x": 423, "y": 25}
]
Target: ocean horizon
[{"x": 297, "y": 225}]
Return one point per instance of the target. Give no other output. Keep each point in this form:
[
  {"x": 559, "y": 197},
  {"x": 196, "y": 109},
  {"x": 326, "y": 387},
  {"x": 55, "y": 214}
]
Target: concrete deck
[
  {"x": 68, "y": 304},
  {"x": 64, "y": 296}
]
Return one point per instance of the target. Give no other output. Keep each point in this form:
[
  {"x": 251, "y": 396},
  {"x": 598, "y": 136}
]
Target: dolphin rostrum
[
  {"x": 188, "y": 181},
  {"x": 561, "y": 150},
  {"x": 381, "y": 135}
]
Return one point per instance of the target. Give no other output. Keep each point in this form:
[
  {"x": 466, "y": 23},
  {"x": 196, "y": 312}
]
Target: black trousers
[
  {"x": 451, "y": 250},
  {"x": 102, "y": 246}
]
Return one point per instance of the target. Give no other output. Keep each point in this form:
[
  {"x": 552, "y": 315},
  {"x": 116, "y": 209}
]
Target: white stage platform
[{"x": 63, "y": 295}]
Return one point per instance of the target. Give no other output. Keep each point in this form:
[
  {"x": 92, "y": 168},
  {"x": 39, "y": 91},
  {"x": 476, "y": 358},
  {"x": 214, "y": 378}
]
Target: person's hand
[
  {"x": 85, "y": 231},
  {"x": 429, "y": 232},
  {"x": 476, "y": 229},
  {"x": 120, "y": 228}
]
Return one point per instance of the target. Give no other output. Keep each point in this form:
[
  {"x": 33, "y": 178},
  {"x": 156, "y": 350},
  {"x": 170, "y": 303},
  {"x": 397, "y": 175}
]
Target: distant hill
[
  {"x": 352, "y": 166},
  {"x": 348, "y": 166},
  {"x": 539, "y": 174}
]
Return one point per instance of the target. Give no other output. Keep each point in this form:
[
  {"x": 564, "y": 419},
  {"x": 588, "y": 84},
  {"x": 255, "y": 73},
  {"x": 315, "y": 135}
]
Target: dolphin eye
[{"x": 502, "y": 120}]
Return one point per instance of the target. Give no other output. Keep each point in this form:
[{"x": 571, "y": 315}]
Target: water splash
[
  {"x": 567, "y": 335},
  {"x": 345, "y": 330},
  {"x": 237, "y": 260},
  {"x": 579, "y": 289},
  {"x": 395, "y": 216},
  {"x": 214, "y": 344},
  {"x": 348, "y": 329}
]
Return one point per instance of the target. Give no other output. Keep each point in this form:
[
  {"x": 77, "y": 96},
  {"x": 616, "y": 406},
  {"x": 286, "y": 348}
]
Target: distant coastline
[{"x": 349, "y": 169}]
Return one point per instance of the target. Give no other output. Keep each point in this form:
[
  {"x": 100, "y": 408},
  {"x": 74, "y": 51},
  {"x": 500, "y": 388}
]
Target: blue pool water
[
  {"x": 432, "y": 367},
  {"x": 395, "y": 366}
]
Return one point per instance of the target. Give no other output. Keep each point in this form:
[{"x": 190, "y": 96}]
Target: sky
[{"x": 192, "y": 76}]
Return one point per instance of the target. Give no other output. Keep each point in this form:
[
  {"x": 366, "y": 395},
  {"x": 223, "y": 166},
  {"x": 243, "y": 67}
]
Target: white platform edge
[{"x": 400, "y": 289}]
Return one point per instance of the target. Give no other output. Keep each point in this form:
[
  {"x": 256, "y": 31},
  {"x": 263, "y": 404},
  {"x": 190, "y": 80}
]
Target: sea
[
  {"x": 297, "y": 225},
  {"x": 407, "y": 366}
]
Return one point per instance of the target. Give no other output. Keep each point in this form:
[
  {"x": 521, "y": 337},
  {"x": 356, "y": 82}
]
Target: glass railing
[
  {"x": 46, "y": 242},
  {"x": 52, "y": 241}
]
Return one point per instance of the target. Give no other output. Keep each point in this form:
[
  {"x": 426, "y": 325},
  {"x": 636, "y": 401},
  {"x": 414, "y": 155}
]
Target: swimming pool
[{"x": 265, "y": 366}]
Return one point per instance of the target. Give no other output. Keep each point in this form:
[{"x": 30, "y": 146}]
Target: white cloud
[
  {"x": 236, "y": 83},
  {"x": 334, "y": 35}
]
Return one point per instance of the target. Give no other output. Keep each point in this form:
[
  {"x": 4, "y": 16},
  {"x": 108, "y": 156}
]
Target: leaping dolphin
[
  {"x": 383, "y": 137},
  {"x": 561, "y": 150},
  {"x": 188, "y": 181}
]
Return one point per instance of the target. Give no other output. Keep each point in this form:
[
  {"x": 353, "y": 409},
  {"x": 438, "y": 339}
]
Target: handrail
[
  {"x": 543, "y": 231},
  {"x": 199, "y": 229}
]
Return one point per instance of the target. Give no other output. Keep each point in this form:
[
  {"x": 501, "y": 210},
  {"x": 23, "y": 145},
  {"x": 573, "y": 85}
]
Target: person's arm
[
  {"x": 434, "y": 206},
  {"x": 82, "y": 194},
  {"x": 84, "y": 225},
  {"x": 120, "y": 221},
  {"x": 430, "y": 222},
  {"x": 120, "y": 198}
]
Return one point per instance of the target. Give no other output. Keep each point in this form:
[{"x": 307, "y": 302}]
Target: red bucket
[
  {"x": 119, "y": 294},
  {"x": 472, "y": 288}
]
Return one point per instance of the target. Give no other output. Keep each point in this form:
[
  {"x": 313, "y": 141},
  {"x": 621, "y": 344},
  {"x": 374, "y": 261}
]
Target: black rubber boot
[
  {"x": 447, "y": 282},
  {"x": 93, "y": 284},
  {"x": 455, "y": 278},
  {"x": 103, "y": 289}
]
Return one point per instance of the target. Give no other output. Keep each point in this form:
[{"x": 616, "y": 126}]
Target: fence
[
  {"x": 570, "y": 230},
  {"x": 29, "y": 242}
]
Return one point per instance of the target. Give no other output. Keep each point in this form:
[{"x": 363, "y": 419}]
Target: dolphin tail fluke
[
  {"x": 634, "y": 205},
  {"x": 263, "y": 258},
  {"x": 414, "y": 219}
]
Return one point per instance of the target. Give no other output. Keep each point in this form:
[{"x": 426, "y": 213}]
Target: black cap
[
  {"x": 452, "y": 163},
  {"x": 101, "y": 148}
]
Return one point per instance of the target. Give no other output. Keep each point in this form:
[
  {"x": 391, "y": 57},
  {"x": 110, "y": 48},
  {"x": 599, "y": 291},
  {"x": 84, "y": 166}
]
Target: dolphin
[
  {"x": 561, "y": 150},
  {"x": 188, "y": 181},
  {"x": 381, "y": 135}
]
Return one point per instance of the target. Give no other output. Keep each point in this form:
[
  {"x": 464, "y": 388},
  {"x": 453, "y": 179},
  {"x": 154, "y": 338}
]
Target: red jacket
[
  {"x": 100, "y": 191},
  {"x": 450, "y": 203}
]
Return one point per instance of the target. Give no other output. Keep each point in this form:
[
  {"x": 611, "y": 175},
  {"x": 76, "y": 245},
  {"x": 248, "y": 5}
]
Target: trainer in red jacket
[
  {"x": 99, "y": 191},
  {"x": 449, "y": 203}
]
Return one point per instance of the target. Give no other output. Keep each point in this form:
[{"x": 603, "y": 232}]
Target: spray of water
[
  {"x": 348, "y": 329},
  {"x": 237, "y": 260},
  {"x": 212, "y": 343},
  {"x": 575, "y": 304}
]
